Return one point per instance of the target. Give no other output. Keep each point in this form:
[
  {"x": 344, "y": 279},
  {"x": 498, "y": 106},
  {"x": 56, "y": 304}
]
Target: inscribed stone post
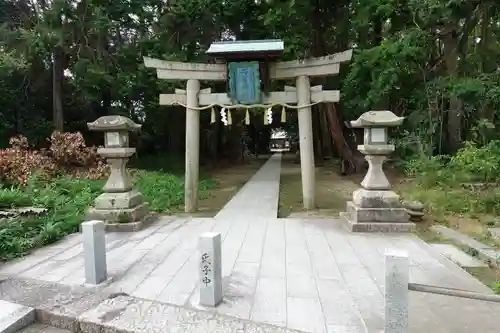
[
  {"x": 210, "y": 269},
  {"x": 397, "y": 273},
  {"x": 94, "y": 251}
]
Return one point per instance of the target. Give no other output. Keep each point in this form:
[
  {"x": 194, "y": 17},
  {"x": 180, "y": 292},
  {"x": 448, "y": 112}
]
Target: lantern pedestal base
[
  {"x": 121, "y": 211},
  {"x": 359, "y": 219}
]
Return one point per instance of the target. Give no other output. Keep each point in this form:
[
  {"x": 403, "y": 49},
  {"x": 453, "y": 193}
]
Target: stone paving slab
[
  {"x": 259, "y": 197},
  {"x": 14, "y": 317},
  {"x": 458, "y": 256},
  {"x": 299, "y": 274},
  {"x": 312, "y": 276}
]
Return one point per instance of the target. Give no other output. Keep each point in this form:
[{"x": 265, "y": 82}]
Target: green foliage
[
  {"x": 478, "y": 163},
  {"x": 472, "y": 163},
  {"x": 67, "y": 199},
  {"x": 14, "y": 197},
  {"x": 496, "y": 287},
  {"x": 465, "y": 183},
  {"x": 165, "y": 191}
]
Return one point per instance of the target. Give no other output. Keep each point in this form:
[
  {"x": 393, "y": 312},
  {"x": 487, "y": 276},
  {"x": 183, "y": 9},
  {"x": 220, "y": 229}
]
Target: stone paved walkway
[{"x": 303, "y": 274}]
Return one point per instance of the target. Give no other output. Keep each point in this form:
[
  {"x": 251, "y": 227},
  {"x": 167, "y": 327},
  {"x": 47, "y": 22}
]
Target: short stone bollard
[
  {"x": 397, "y": 273},
  {"x": 210, "y": 269},
  {"x": 94, "y": 252}
]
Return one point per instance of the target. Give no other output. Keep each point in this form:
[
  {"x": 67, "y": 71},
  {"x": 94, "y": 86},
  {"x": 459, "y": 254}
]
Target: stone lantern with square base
[
  {"x": 120, "y": 206},
  {"x": 375, "y": 207}
]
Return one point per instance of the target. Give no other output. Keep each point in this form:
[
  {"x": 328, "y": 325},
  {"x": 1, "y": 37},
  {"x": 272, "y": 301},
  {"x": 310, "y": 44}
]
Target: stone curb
[
  {"x": 80, "y": 309},
  {"x": 16, "y": 320},
  {"x": 484, "y": 252}
]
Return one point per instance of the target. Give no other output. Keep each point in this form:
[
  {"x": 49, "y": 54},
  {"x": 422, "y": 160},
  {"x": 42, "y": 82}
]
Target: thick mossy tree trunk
[{"x": 454, "y": 122}]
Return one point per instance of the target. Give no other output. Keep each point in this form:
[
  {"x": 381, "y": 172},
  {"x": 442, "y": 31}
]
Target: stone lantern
[
  {"x": 375, "y": 207},
  {"x": 120, "y": 206}
]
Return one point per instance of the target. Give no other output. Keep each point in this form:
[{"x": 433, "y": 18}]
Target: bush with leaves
[
  {"x": 472, "y": 163},
  {"x": 478, "y": 163},
  {"x": 70, "y": 153},
  {"x": 67, "y": 154},
  {"x": 18, "y": 163},
  {"x": 69, "y": 149}
]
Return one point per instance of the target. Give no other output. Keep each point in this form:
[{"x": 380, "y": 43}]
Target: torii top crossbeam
[{"x": 322, "y": 66}]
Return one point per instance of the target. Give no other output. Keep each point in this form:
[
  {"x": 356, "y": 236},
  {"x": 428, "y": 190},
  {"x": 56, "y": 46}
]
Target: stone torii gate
[{"x": 196, "y": 99}]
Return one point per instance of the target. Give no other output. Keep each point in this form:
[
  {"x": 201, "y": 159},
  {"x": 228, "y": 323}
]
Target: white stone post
[
  {"x": 210, "y": 270},
  {"x": 192, "y": 147},
  {"x": 94, "y": 252},
  {"x": 397, "y": 271},
  {"x": 306, "y": 142}
]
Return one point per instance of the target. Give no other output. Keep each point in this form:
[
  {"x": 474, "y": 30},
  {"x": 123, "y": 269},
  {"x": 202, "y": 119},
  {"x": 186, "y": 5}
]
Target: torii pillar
[
  {"x": 303, "y": 94},
  {"x": 192, "y": 147},
  {"x": 307, "y": 167}
]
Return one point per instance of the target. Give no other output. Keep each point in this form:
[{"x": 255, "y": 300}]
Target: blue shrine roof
[{"x": 247, "y": 46}]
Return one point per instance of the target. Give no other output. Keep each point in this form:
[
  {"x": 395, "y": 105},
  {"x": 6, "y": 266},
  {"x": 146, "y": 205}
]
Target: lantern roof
[
  {"x": 377, "y": 119},
  {"x": 265, "y": 48},
  {"x": 113, "y": 123}
]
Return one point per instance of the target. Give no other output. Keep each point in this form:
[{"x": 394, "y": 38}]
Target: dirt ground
[{"x": 332, "y": 190}]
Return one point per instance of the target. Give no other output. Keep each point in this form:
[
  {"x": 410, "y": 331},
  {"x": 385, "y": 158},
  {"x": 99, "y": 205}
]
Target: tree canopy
[{"x": 64, "y": 63}]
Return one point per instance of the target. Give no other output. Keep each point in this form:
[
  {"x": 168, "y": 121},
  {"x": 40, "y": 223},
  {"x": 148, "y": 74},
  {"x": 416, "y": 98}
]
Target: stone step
[
  {"x": 485, "y": 252},
  {"x": 458, "y": 256},
  {"x": 82, "y": 309},
  {"x": 39, "y": 328},
  {"x": 14, "y": 317},
  {"x": 495, "y": 233}
]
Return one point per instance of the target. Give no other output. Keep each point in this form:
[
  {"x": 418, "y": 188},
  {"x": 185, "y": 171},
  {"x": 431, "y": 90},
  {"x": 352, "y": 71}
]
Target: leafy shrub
[
  {"x": 478, "y": 163},
  {"x": 67, "y": 154},
  {"x": 429, "y": 171},
  {"x": 69, "y": 149},
  {"x": 440, "y": 180},
  {"x": 18, "y": 163},
  {"x": 472, "y": 163},
  {"x": 70, "y": 152}
]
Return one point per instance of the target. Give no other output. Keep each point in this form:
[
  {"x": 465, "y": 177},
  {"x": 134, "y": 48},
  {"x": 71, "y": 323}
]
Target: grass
[
  {"x": 469, "y": 212},
  {"x": 165, "y": 192},
  {"x": 67, "y": 200},
  {"x": 161, "y": 182},
  {"x": 487, "y": 275}
]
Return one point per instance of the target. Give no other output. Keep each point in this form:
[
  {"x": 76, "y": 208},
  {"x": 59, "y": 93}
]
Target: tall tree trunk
[
  {"x": 57, "y": 84},
  {"x": 454, "y": 123},
  {"x": 318, "y": 151},
  {"x": 487, "y": 65},
  {"x": 326, "y": 138}
]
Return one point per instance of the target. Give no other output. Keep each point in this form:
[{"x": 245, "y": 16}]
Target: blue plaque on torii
[
  {"x": 244, "y": 82},
  {"x": 247, "y": 67}
]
